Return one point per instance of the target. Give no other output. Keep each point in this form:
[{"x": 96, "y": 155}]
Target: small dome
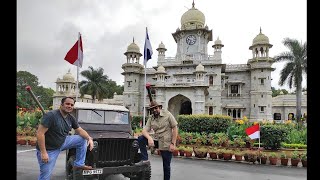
[
  {"x": 133, "y": 47},
  {"x": 161, "y": 69},
  {"x": 281, "y": 93},
  {"x": 200, "y": 68},
  {"x": 161, "y": 46},
  {"x": 260, "y": 39},
  {"x": 218, "y": 41},
  {"x": 68, "y": 76},
  {"x": 193, "y": 16}
]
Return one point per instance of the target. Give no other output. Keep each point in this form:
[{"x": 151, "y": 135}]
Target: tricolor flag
[
  {"x": 147, "y": 49},
  {"x": 75, "y": 54},
  {"x": 253, "y": 132}
]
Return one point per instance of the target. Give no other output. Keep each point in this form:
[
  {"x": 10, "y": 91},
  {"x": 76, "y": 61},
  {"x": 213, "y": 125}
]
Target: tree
[
  {"x": 293, "y": 70},
  {"x": 96, "y": 84},
  {"x": 24, "y": 99},
  {"x": 276, "y": 92}
]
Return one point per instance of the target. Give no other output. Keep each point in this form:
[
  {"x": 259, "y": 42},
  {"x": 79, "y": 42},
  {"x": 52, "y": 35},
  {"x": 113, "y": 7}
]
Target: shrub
[{"x": 204, "y": 123}]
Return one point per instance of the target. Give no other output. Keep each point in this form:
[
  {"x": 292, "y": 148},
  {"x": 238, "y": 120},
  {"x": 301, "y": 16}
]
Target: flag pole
[
  {"x": 144, "y": 95},
  {"x": 259, "y": 149},
  {"x": 147, "y": 53},
  {"x": 77, "y": 83}
]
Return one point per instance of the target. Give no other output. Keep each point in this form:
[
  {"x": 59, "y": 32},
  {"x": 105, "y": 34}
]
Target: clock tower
[{"x": 193, "y": 37}]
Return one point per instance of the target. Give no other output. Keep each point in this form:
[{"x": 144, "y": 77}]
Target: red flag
[
  {"x": 75, "y": 54},
  {"x": 253, "y": 132}
]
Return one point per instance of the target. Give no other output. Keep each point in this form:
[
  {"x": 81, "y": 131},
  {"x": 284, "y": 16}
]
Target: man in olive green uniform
[{"x": 164, "y": 126}]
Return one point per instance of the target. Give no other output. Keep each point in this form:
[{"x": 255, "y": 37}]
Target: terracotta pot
[
  {"x": 220, "y": 156},
  {"x": 284, "y": 161},
  {"x": 238, "y": 157},
  {"x": 32, "y": 142},
  {"x": 213, "y": 155},
  {"x": 304, "y": 163},
  {"x": 295, "y": 162},
  {"x": 188, "y": 153},
  {"x": 22, "y": 141},
  {"x": 227, "y": 156},
  {"x": 263, "y": 160},
  {"x": 273, "y": 161}
]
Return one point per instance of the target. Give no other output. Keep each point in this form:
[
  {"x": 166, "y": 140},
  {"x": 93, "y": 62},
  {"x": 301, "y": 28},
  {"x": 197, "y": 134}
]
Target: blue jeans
[
  {"x": 73, "y": 141},
  {"x": 166, "y": 156}
]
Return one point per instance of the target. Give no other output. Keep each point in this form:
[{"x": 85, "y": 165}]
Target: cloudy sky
[{"x": 46, "y": 30}]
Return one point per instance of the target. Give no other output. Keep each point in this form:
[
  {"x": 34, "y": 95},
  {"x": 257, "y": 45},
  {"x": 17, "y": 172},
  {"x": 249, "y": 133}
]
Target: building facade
[{"x": 195, "y": 82}]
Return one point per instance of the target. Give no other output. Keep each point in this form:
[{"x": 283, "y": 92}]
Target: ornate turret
[
  {"x": 260, "y": 46},
  {"x": 133, "y": 53},
  {"x": 161, "y": 52}
]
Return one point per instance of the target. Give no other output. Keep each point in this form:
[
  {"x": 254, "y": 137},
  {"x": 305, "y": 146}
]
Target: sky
[{"x": 46, "y": 30}]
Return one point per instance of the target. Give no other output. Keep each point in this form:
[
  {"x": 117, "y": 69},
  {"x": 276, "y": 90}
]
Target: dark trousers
[{"x": 166, "y": 156}]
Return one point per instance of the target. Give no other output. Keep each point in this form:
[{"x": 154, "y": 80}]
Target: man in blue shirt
[{"x": 53, "y": 137}]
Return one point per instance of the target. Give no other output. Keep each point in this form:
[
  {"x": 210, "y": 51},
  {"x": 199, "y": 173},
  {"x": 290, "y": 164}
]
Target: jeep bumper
[{"x": 138, "y": 167}]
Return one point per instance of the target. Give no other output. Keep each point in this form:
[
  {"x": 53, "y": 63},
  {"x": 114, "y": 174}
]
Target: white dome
[
  {"x": 192, "y": 16},
  {"x": 68, "y": 77}
]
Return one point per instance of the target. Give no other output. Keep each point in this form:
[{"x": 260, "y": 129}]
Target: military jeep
[{"x": 115, "y": 148}]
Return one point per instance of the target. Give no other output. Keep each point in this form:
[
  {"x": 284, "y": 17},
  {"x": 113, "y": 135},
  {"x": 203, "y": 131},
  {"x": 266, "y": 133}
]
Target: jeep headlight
[
  {"x": 95, "y": 144},
  {"x": 135, "y": 144}
]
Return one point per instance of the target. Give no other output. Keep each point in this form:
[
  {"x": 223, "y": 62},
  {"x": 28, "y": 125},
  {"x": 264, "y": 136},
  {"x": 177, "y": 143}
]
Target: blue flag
[{"x": 147, "y": 49}]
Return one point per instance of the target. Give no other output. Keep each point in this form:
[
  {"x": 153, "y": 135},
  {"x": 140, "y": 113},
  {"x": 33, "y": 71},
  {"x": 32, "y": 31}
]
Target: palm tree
[
  {"x": 95, "y": 85},
  {"x": 293, "y": 70}
]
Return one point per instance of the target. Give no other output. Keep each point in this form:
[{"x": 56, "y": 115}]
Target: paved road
[{"x": 183, "y": 169}]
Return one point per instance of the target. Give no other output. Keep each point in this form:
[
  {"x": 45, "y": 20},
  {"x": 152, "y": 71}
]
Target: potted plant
[
  {"x": 238, "y": 155},
  {"x": 263, "y": 158},
  {"x": 181, "y": 150},
  {"x": 220, "y": 153},
  {"x": 252, "y": 156},
  {"x": 283, "y": 159},
  {"x": 200, "y": 152},
  {"x": 212, "y": 152},
  {"x": 295, "y": 158},
  {"x": 227, "y": 154},
  {"x": 273, "y": 158},
  {"x": 188, "y": 151}
]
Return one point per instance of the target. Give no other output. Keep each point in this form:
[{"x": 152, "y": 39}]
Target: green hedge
[
  {"x": 135, "y": 122},
  {"x": 272, "y": 135},
  {"x": 204, "y": 123}
]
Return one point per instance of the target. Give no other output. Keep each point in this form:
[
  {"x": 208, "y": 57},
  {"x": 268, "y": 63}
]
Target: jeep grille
[{"x": 115, "y": 152}]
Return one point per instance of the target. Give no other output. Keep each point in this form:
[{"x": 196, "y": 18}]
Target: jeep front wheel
[{"x": 69, "y": 168}]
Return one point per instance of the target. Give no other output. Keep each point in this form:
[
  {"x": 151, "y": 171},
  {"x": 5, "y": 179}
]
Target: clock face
[{"x": 191, "y": 39}]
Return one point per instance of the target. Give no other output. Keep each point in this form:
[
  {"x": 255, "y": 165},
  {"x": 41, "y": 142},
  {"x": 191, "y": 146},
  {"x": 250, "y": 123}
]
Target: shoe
[
  {"x": 82, "y": 167},
  {"x": 142, "y": 162}
]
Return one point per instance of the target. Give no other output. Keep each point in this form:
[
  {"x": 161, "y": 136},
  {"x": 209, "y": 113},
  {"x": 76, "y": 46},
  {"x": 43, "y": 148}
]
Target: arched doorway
[{"x": 180, "y": 105}]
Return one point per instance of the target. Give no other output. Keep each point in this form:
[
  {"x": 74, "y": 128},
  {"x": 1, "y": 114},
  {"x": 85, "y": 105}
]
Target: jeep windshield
[
  {"x": 102, "y": 117},
  {"x": 101, "y": 113}
]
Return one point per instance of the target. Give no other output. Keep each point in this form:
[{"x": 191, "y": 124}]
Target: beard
[{"x": 156, "y": 113}]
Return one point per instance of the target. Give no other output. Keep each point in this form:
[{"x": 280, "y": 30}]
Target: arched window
[
  {"x": 210, "y": 110},
  {"x": 234, "y": 113},
  {"x": 210, "y": 80},
  {"x": 277, "y": 116}
]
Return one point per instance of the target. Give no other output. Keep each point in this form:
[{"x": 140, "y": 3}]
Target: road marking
[{"x": 26, "y": 151}]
